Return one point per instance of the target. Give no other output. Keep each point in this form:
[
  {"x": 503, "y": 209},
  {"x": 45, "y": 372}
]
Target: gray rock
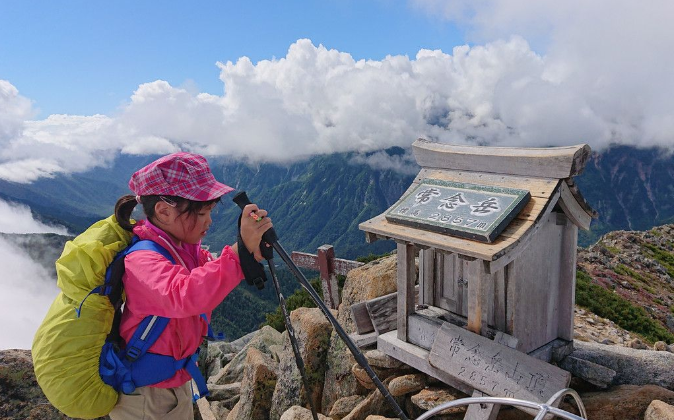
[
  {"x": 312, "y": 331},
  {"x": 632, "y": 367},
  {"x": 257, "y": 387},
  {"x": 591, "y": 372},
  {"x": 344, "y": 406},
  {"x": 227, "y": 394},
  {"x": 262, "y": 340}
]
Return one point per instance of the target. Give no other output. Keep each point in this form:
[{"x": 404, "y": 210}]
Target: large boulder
[
  {"x": 263, "y": 340},
  {"x": 623, "y": 402},
  {"x": 631, "y": 366},
  {"x": 377, "y": 278},
  {"x": 312, "y": 331},
  {"x": 257, "y": 387}
]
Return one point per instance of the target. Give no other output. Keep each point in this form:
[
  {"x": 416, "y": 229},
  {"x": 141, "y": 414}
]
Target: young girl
[{"x": 178, "y": 193}]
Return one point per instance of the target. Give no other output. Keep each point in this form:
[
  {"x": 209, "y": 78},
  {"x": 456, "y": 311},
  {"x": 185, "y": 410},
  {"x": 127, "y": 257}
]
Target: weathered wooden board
[
  {"x": 383, "y": 311},
  {"x": 537, "y": 187},
  {"x": 552, "y": 162},
  {"x": 361, "y": 318},
  {"x": 406, "y": 277},
  {"x": 310, "y": 261},
  {"x": 573, "y": 209},
  {"x": 364, "y": 340},
  {"x": 493, "y": 368},
  {"x": 416, "y": 357}
]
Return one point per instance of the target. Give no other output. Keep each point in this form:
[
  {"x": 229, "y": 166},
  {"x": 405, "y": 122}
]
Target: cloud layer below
[
  {"x": 598, "y": 73},
  {"x": 27, "y": 287}
]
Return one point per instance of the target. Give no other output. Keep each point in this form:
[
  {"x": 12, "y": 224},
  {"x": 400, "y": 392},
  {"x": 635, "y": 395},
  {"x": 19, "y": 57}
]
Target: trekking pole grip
[{"x": 241, "y": 199}]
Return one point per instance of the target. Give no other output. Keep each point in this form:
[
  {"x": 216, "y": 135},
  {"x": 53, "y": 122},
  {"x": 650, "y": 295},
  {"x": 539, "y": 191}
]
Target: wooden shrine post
[{"x": 329, "y": 267}]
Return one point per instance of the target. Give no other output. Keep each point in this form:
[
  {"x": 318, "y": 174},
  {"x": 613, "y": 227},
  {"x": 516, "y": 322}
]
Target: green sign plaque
[{"x": 478, "y": 212}]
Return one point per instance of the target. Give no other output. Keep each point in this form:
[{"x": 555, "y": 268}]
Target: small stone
[
  {"x": 591, "y": 321},
  {"x": 407, "y": 384},
  {"x": 430, "y": 398},
  {"x": 382, "y": 360},
  {"x": 670, "y": 348},
  {"x": 659, "y": 410},
  {"x": 637, "y": 344},
  {"x": 300, "y": 413},
  {"x": 660, "y": 346},
  {"x": 607, "y": 341},
  {"x": 345, "y": 405}
]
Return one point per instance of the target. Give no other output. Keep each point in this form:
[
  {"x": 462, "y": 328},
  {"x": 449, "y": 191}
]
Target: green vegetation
[
  {"x": 299, "y": 299},
  {"x": 372, "y": 257},
  {"x": 666, "y": 259},
  {"x": 613, "y": 250},
  {"x": 610, "y": 305},
  {"x": 623, "y": 270}
]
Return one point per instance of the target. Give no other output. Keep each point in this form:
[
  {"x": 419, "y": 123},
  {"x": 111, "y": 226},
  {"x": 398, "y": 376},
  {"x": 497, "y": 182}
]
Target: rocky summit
[{"x": 622, "y": 363}]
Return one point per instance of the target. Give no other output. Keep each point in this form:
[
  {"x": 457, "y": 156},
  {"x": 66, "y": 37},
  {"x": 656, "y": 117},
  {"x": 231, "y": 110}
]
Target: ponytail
[{"x": 123, "y": 210}]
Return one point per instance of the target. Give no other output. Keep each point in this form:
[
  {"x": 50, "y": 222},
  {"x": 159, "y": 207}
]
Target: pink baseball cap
[{"x": 182, "y": 174}]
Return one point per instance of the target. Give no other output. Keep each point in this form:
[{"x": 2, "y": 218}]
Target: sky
[{"x": 82, "y": 82}]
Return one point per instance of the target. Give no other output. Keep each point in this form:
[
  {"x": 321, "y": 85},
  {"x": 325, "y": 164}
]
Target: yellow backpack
[{"x": 66, "y": 349}]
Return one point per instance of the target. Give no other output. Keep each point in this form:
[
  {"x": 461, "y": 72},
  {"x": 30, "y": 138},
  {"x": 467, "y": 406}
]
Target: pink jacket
[{"x": 196, "y": 284}]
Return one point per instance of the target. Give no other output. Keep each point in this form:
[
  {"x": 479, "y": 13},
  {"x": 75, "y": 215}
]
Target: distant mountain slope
[{"x": 324, "y": 199}]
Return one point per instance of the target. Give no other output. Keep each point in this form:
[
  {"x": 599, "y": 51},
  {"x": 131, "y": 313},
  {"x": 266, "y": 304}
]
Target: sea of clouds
[
  {"x": 534, "y": 73},
  {"x": 28, "y": 288}
]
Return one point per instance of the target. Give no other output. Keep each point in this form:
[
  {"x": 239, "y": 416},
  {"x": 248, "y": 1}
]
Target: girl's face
[{"x": 190, "y": 227}]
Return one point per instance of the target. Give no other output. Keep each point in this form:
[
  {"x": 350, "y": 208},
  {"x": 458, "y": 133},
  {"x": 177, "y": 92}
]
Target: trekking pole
[
  {"x": 293, "y": 340},
  {"x": 241, "y": 199}
]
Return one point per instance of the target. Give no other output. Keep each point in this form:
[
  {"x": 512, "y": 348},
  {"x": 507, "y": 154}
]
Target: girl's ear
[{"x": 163, "y": 212}]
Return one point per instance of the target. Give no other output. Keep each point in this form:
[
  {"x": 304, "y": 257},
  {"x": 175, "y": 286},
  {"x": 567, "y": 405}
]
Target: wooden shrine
[{"x": 495, "y": 230}]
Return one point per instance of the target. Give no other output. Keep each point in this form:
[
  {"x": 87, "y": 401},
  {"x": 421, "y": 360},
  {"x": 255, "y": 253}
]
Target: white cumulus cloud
[{"x": 543, "y": 73}]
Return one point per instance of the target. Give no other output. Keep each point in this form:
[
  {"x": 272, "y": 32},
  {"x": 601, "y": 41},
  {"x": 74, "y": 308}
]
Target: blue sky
[
  {"x": 87, "y": 57},
  {"x": 83, "y": 81}
]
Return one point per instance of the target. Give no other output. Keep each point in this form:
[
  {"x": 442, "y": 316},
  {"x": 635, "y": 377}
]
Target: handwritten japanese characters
[
  {"x": 493, "y": 368},
  {"x": 452, "y": 207}
]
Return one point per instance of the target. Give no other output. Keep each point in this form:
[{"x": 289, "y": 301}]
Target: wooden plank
[
  {"x": 492, "y": 368},
  {"x": 510, "y": 281},
  {"x": 567, "y": 282},
  {"x": 364, "y": 340},
  {"x": 383, "y": 311},
  {"x": 516, "y": 249},
  {"x": 416, "y": 357},
  {"x": 343, "y": 266},
  {"x": 406, "y": 279},
  {"x": 537, "y": 187},
  {"x": 361, "y": 318},
  {"x": 499, "y": 301},
  {"x": 426, "y": 276},
  {"x": 422, "y": 330},
  {"x": 326, "y": 257},
  {"x": 573, "y": 209},
  {"x": 489, "y": 411},
  {"x": 551, "y": 162},
  {"x": 477, "y": 297},
  {"x": 536, "y": 319},
  {"x": 481, "y": 411},
  {"x": 310, "y": 261}
]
